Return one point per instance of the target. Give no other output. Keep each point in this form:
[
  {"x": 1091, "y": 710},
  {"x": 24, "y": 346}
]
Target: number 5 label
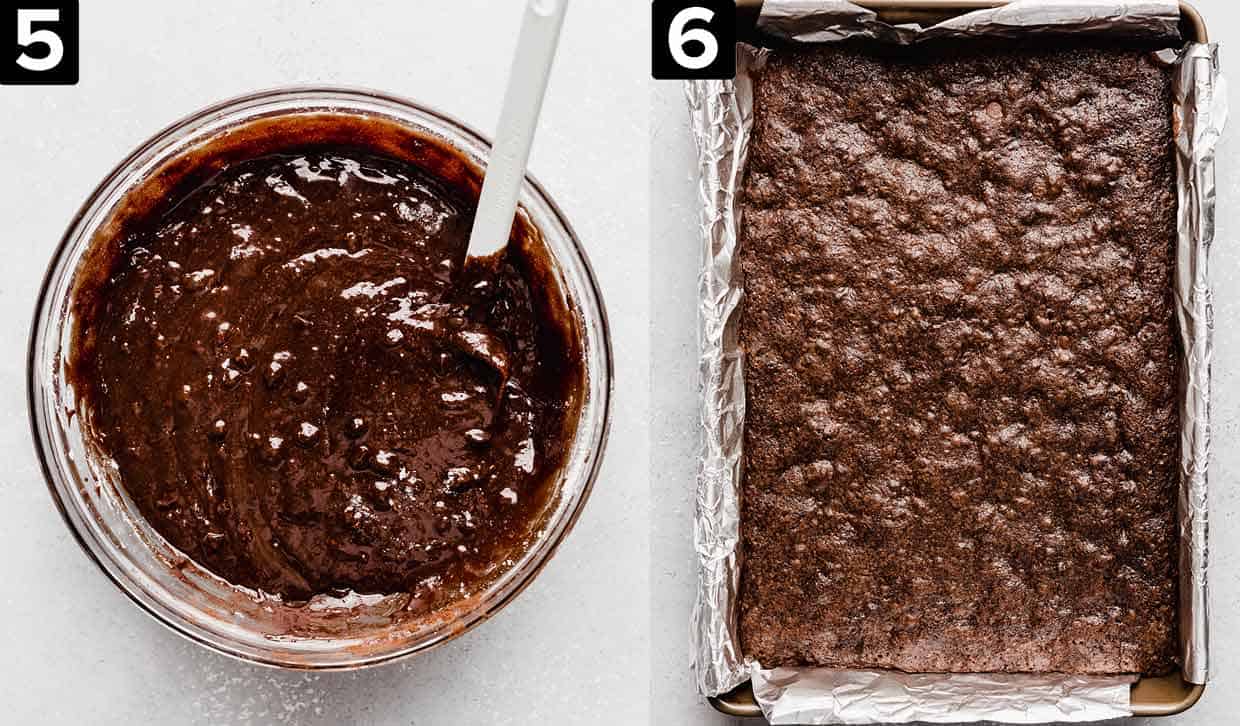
[
  {"x": 694, "y": 39},
  {"x": 43, "y": 37}
]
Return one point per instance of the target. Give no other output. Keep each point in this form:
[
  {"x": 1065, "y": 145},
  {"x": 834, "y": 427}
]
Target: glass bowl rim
[{"x": 558, "y": 527}]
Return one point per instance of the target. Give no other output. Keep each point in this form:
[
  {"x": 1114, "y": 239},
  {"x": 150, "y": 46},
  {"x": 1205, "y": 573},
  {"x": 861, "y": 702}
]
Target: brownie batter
[
  {"x": 307, "y": 388},
  {"x": 961, "y": 442}
]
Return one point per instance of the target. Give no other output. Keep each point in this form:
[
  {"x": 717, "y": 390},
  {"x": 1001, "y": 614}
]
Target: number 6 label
[
  {"x": 694, "y": 39},
  {"x": 44, "y": 41}
]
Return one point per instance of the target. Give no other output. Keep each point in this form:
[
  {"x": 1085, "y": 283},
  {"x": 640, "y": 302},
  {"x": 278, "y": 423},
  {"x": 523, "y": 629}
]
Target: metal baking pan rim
[{"x": 1152, "y": 696}]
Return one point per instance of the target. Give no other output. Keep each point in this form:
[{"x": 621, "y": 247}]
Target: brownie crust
[{"x": 961, "y": 442}]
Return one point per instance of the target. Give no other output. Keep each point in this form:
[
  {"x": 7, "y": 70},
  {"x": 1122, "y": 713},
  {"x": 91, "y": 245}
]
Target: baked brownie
[{"x": 961, "y": 445}]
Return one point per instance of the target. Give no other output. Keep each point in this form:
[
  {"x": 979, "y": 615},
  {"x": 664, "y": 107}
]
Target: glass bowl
[{"x": 327, "y": 633}]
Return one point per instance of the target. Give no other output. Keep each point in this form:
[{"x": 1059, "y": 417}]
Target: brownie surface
[{"x": 961, "y": 442}]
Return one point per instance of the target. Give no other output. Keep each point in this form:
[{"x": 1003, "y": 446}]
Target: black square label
[
  {"x": 42, "y": 37},
  {"x": 694, "y": 39}
]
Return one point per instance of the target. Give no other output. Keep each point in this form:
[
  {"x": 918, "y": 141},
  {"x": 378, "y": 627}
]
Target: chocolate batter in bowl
[{"x": 283, "y": 411}]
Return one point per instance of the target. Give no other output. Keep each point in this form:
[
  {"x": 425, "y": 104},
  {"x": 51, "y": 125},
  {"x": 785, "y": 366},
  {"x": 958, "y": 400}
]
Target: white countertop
[{"x": 601, "y": 636}]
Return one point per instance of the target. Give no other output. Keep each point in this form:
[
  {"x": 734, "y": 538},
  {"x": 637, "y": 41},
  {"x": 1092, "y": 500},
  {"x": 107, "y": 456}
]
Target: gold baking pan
[{"x": 1163, "y": 696}]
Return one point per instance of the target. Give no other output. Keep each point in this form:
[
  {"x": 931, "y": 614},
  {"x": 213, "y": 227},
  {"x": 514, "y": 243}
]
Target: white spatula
[{"x": 527, "y": 84}]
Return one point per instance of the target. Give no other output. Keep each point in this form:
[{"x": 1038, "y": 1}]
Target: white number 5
[
  {"x": 677, "y": 37},
  {"x": 28, "y": 36}
]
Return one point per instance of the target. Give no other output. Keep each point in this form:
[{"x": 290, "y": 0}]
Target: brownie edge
[{"x": 961, "y": 441}]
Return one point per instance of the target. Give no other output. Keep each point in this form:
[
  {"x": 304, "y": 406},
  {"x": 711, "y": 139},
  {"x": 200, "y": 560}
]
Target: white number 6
[
  {"x": 28, "y": 36},
  {"x": 677, "y": 37}
]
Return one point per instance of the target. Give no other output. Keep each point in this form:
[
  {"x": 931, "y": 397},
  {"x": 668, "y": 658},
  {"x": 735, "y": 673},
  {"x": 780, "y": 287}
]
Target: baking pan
[{"x": 1162, "y": 696}]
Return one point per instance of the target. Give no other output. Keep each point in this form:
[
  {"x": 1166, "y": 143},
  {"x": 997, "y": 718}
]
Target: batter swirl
[{"x": 307, "y": 388}]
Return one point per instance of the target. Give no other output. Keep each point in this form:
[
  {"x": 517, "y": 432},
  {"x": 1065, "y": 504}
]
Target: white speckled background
[
  {"x": 674, "y": 265},
  {"x": 573, "y": 647}
]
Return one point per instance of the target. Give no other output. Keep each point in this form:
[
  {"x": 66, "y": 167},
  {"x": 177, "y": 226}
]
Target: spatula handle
[{"x": 527, "y": 84}]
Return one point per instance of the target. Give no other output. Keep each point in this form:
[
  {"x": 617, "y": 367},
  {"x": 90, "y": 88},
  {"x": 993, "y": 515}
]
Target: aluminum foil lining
[
  {"x": 827, "y": 21},
  {"x": 821, "y": 696},
  {"x": 1200, "y": 114},
  {"x": 721, "y": 118},
  {"x": 722, "y": 115}
]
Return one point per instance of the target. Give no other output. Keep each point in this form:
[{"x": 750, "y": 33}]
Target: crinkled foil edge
[
  {"x": 721, "y": 113},
  {"x": 828, "y": 21},
  {"x": 721, "y": 118},
  {"x": 1200, "y": 112},
  {"x": 823, "y": 696}
]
